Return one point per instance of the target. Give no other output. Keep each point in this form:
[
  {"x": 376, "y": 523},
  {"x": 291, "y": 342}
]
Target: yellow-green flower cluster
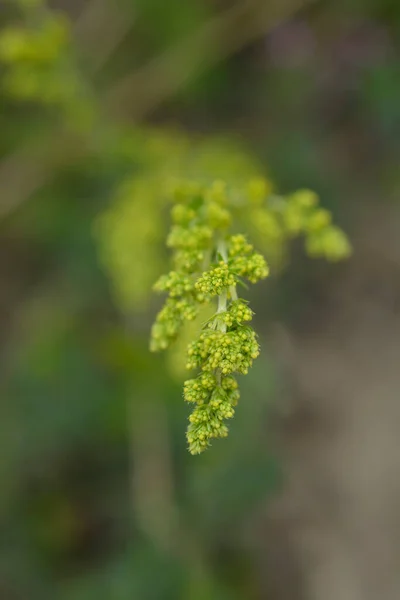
[
  {"x": 238, "y": 313},
  {"x": 244, "y": 261},
  {"x": 238, "y": 245},
  {"x": 328, "y": 242},
  {"x": 177, "y": 284},
  {"x": 226, "y": 346},
  {"x": 233, "y": 351},
  {"x": 214, "y": 406},
  {"x": 199, "y": 390},
  {"x": 197, "y": 237},
  {"x": 276, "y": 220},
  {"x": 301, "y": 214},
  {"x": 170, "y": 320},
  {"x": 213, "y": 282},
  {"x": 207, "y": 264},
  {"x": 217, "y": 216}
]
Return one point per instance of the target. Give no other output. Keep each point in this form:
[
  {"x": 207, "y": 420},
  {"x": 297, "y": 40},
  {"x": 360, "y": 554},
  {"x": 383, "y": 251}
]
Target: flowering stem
[{"x": 227, "y": 344}]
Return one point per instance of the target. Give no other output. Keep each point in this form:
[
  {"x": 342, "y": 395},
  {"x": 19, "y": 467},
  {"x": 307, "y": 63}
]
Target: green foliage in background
[{"x": 99, "y": 497}]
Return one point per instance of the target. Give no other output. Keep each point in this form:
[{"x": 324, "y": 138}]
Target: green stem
[
  {"x": 223, "y": 297},
  {"x": 222, "y": 250},
  {"x": 233, "y": 292},
  {"x": 222, "y": 301}
]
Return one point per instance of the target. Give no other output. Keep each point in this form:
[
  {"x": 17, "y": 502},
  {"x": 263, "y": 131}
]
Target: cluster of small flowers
[
  {"x": 190, "y": 237},
  {"x": 283, "y": 218},
  {"x": 182, "y": 214},
  {"x": 258, "y": 189},
  {"x": 302, "y": 214},
  {"x": 238, "y": 245},
  {"x": 233, "y": 351},
  {"x": 238, "y": 313},
  {"x": 253, "y": 267},
  {"x": 244, "y": 261},
  {"x": 177, "y": 284},
  {"x": 198, "y": 390},
  {"x": 217, "y": 194},
  {"x": 217, "y": 216},
  {"x": 169, "y": 321},
  {"x": 330, "y": 243},
  {"x": 213, "y": 408},
  {"x": 193, "y": 238},
  {"x": 227, "y": 344},
  {"x": 189, "y": 261},
  {"x": 216, "y": 280}
]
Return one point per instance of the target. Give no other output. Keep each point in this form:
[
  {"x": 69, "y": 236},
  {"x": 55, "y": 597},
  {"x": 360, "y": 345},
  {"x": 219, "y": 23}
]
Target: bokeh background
[{"x": 99, "y": 498}]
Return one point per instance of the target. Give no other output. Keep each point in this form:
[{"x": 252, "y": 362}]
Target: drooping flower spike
[{"x": 208, "y": 263}]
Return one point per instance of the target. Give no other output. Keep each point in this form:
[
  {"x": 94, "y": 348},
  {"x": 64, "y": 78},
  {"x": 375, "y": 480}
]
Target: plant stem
[
  {"x": 233, "y": 292},
  {"x": 222, "y": 300},
  {"x": 222, "y": 250}
]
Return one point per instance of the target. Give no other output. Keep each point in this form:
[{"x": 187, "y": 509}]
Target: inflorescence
[{"x": 208, "y": 264}]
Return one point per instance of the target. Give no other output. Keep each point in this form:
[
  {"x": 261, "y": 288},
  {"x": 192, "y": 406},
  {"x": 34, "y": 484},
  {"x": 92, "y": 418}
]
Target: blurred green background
[{"x": 99, "y": 498}]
